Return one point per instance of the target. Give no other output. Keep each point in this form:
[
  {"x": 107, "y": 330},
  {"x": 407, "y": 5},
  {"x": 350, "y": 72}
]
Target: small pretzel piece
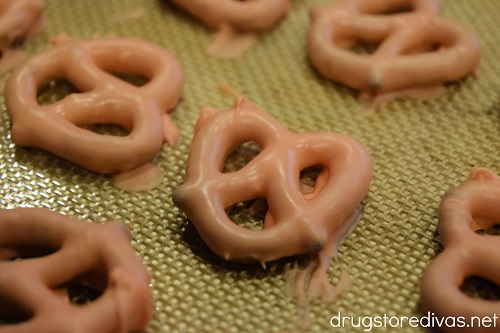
[
  {"x": 18, "y": 18},
  {"x": 472, "y": 206},
  {"x": 62, "y": 127},
  {"x": 295, "y": 223},
  {"x": 417, "y": 51},
  {"x": 44, "y": 253}
]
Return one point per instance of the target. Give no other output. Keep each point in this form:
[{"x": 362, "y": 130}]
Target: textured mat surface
[{"x": 419, "y": 150}]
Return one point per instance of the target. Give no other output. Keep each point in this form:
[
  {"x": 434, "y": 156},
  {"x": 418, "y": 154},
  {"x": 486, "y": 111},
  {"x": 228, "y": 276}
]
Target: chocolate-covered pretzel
[
  {"x": 62, "y": 127},
  {"x": 44, "y": 253},
  {"x": 418, "y": 50},
  {"x": 472, "y": 206},
  {"x": 295, "y": 222}
]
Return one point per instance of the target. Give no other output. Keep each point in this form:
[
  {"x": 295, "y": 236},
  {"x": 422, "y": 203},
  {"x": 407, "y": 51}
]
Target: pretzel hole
[
  {"x": 241, "y": 156},
  {"x": 6, "y": 42},
  {"x": 12, "y": 313},
  {"x": 401, "y": 8},
  {"x": 107, "y": 129},
  {"x": 16, "y": 253},
  {"x": 137, "y": 80},
  {"x": 363, "y": 47},
  {"x": 309, "y": 179},
  {"x": 54, "y": 90},
  {"x": 81, "y": 294},
  {"x": 493, "y": 230},
  {"x": 423, "y": 48},
  {"x": 86, "y": 288},
  {"x": 479, "y": 287},
  {"x": 249, "y": 214}
]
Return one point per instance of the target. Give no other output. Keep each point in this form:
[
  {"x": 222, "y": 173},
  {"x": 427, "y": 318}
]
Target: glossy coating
[
  {"x": 62, "y": 127},
  {"x": 295, "y": 222},
  {"x": 416, "y": 50},
  {"x": 241, "y": 15},
  {"x": 235, "y": 22}
]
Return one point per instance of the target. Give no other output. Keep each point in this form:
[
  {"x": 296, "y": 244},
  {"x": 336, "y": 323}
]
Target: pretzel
[
  {"x": 18, "y": 18},
  {"x": 105, "y": 99},
  {"x": 56, "y": 252},
  {"x": 419, "y": 51},
  {"x": 231, "y": 16},
  {"x": 295, "y": 223},
  {"x": 241, "y": 15},
  {"x": 473, "y": 205}
]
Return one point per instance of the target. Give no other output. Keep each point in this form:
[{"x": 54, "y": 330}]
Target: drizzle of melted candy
[{"x": 141, "y": 179}]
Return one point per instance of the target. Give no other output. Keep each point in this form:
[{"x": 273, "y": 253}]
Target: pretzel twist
[
  {"x": 418, "y": 49},
  {"x": 295, "y": 222},
  {"x": 57, "y": 251},
  {"x": 104, "y": 99},
  {"x": 473, "y": 205}
]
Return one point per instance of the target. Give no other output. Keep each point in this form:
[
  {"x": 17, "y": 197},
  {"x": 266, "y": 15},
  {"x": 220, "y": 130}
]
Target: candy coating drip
[
  {"x": 235, "y": 21},
  {"x": 295, "y": 223},
  {"x": 104, "y": 99}
]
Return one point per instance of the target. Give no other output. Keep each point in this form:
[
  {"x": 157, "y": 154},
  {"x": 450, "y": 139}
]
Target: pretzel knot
[
  {"x": 295, "y": 222},
  {"x": 62, "y": 127},
  {"x": 417, "y": 49},
  {"x": 472, "y": 206},
  {"x": 57, "y": 252},
  {"x": 18, "y": 18}
]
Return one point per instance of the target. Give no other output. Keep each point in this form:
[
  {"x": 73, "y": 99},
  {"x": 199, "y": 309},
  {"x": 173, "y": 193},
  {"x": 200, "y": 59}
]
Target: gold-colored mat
[{"x": 419, "y": 150}]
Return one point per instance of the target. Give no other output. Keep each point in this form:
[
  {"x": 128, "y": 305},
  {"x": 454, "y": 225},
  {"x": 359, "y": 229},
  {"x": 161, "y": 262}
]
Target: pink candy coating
[
  {"x": 104, "y": 99},
  {"x": 57, "y": 251},
  {"x": 241, "y": 15},
  {"x": 473, "y": 205},
  {"x": 295, "y": 222},
  {"x": 418, "y": 51}
]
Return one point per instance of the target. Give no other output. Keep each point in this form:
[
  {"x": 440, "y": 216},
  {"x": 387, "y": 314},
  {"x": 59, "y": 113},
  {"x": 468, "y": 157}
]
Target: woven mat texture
[{"x": 419, "y": 149}]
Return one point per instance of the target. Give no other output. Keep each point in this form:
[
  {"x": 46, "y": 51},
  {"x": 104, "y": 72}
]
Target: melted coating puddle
[{"x": 141, "y": 179}]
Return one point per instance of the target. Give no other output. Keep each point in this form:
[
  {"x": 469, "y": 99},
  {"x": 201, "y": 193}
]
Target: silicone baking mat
[{"x": 419, "y": 149}]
